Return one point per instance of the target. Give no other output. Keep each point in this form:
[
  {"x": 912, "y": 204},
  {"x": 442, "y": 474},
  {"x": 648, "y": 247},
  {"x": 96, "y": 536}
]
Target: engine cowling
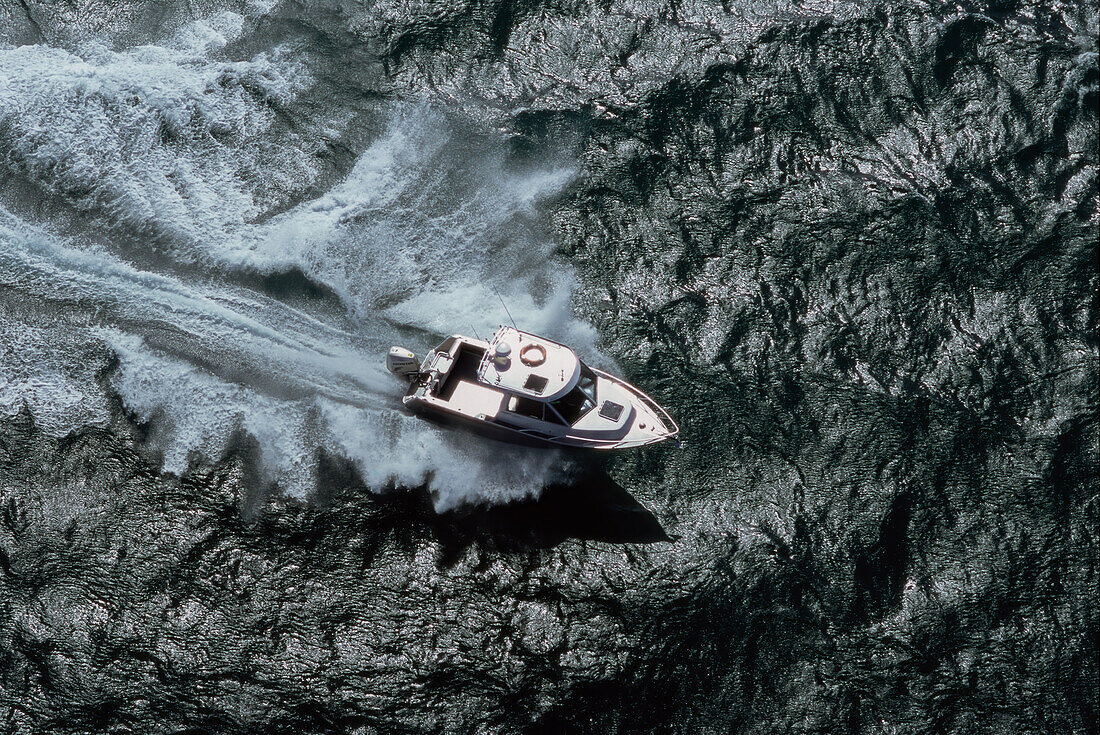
[{"x": 402, "y": 362}]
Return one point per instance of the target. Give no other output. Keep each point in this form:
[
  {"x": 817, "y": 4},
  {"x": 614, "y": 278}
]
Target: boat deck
[{"x": 464, "y": 369}]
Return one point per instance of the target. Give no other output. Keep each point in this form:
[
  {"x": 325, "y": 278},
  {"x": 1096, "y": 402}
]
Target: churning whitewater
[
  {"x": 850, "y": 246},
  {"x": 212, "y": 302}
]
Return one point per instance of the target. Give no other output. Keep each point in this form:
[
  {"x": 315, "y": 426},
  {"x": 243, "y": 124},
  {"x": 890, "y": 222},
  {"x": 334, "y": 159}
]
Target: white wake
[{"x": 150, "y": 245}]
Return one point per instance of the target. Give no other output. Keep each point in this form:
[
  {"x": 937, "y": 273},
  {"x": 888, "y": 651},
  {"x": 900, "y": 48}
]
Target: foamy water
[{"x": 160, "y": 200}]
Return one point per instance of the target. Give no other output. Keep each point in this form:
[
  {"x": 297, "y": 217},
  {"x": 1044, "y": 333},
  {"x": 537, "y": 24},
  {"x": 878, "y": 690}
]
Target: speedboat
[{"x": 526, "y": 389}]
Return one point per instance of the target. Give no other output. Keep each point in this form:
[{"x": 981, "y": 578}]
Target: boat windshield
[{"x": 580, "y": 400}]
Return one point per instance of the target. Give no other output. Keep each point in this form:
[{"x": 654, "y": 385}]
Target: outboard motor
[{"x": 402, "y": 362}]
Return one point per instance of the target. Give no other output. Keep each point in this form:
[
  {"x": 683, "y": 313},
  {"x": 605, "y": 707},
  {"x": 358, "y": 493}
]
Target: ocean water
[{"x": 851, "y": 247}]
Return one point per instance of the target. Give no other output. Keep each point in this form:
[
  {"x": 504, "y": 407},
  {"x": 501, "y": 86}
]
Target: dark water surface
[{"x": 852, "y": 247}]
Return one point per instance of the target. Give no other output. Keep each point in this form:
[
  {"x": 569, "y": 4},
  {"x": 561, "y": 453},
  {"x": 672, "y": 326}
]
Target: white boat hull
[{"x": 592, "y": 409}]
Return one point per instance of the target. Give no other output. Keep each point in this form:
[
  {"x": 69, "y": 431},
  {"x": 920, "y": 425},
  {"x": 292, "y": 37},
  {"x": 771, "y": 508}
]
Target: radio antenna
[
  {"x": 505, "y": 308},
  {"x": 475, "y": 332}
]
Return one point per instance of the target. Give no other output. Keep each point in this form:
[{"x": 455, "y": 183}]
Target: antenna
[
  {"x": 475, "y": 331},
  {"x": 505, "y": 308}
]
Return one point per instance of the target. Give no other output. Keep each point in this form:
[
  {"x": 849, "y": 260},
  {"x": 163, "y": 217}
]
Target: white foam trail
[
  {"x": 50, "y": 371},
  {"x": 177, "y": 142},
  {"x": 296, "y": 388},
  {"x": 203, "y": 359},
  {"x": 172, "y": 143},
  {"x": 421, "y": 229}
]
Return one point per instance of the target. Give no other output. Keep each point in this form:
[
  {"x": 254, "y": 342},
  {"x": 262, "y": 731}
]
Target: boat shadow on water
[{"x": 590, "y": 506}]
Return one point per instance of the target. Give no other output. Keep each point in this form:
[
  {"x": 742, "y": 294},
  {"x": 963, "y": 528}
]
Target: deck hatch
[
  {"x": 535, "y": 383},
  {"x": 611, "y": 411}
]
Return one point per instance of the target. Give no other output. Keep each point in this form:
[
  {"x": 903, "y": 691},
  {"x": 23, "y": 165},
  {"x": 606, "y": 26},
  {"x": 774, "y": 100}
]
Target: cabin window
[
  {"x": 525, "y": 407},
  {"x": 580, "y": 400},
  {"x": 552, "y": 416},
  {"x": 533, "y": 409},
  {"x": 587, "y": 383}
]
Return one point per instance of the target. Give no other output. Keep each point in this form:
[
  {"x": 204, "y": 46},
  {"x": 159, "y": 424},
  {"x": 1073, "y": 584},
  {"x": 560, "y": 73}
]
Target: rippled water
[{"x": 852, "y": 248}]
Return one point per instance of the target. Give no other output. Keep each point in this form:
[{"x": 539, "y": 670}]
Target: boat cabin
[
  {"x": 528, "y": 376},
  {"x": 527, "y": 385}
]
